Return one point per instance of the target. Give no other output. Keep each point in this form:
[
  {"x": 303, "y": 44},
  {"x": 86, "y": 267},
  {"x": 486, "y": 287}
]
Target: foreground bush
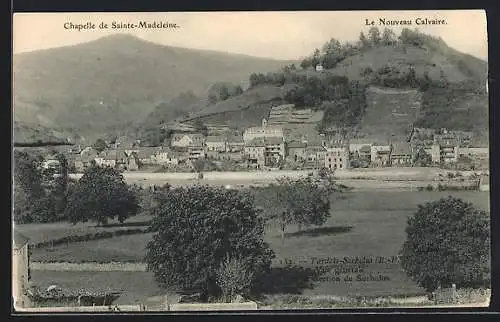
[
  {"x": 197, "y": 228},
  {"x": 448, "y": 242}
]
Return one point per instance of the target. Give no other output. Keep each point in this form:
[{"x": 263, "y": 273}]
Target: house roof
[
  {"x": 361, "y": 141},
  {"x": 146, "y": 152},
  {"x": 365, "y": 148},
  {"x": 235, "y": 139},
  {"x": 109, "y": 154},
  {"x": 296, "y": 144},
  {"x": 19, "y": 240},
  {"x": 215, "y": 139},
  {"x": 401, "y": 148}
]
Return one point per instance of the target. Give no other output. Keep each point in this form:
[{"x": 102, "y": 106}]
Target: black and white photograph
[{"x": 250, "y": 161}]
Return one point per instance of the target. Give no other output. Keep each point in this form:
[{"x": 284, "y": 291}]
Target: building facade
[
  {"x": 380, "y": 155},
  {"x": 264, "y": 131},
  {"x": 401, "y": 155},
  {"x": 337, "y": 158}
]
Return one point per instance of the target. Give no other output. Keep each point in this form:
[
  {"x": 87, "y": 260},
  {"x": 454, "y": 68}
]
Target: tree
[
  {"x": 448, "y": 242},
  {"x": 316, "y": 58},
  {"x": 422, "y": 158},
  {"x": 332, "y": 53},
  {"x": 29, "y": 192},
  {"x": 100, "y": 145},
  {"x": 303, "y": 202},
  {"x": 197, "y": 228},
  {"x": 101, "y": 194},
  {"x": 363, "y": 41},
  {"x": 388, "y": 37},
  {"x": 374, "y": 36},
  {"x": 61, "y": 185},
  {"x": 199, "y": 165}
]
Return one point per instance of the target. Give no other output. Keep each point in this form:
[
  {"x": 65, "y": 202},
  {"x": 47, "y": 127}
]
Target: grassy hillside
[
  {"x": 25, "y": 133},
  {"x": 449, "y": 86},
  {"x": 117, "y": 79}
]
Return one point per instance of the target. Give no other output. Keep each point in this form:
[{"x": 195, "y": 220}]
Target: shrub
[
  {"x": 234, "y": 278},
  {"x": 447, "y": 242}
]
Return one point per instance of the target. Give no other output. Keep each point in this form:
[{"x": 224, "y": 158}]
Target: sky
[{"x": 278, "y": 35}]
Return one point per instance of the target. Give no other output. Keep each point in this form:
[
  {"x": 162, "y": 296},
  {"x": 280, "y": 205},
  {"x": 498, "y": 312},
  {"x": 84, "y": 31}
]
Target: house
[
  {"x": 380, "y": 154},
  {"x": 51, "y": 163},
  {"x": 216, "y": 143},
  {"x": 434, "y": 151},
  {"x": 147, "y": 155},
  {"x": 107, "y": 158},
  {"x": 315, "y": 156},
  {"x": 131, "y": 162},
  {"x": 89, "y": 151},
  {"x": 448, "y": 150},
  {"x": 319, "y": 68},
  {"x": 166, "y": 157},
  {"x": 187, "y": 139},
  {"x": 337, "y": 158},
  {"x": 83, "y": 162},
  {"x": 20, "y": 270},
  {"x": 235, "y": 143},
  {"x": 196, "y": 151},
  {"x": 76, "y": 149},
  {"x": 274, "y": 151},
  {"x": 360, "y": 148},
  {"x": 296, "y": 151},
  {"x": 255, "y": 153},
  {"x": 263, "y": 131},
  {"x": 365, "y": 152},
  {"x": 401, "y": 154}
]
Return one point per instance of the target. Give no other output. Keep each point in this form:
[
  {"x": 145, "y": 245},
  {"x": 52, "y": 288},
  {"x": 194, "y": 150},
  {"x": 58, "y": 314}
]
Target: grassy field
[
  {"x": 45, "y": 232},
  {"x": 362, "y": 224}
]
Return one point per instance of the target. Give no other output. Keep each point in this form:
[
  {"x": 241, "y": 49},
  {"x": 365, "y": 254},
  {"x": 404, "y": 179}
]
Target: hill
[
  {"x": 25, "y": 133},
  {"x": 438, "y": 86},
  {"x": 117, "y": 79}
]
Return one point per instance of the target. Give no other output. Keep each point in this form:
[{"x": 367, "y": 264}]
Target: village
[{"x": 281, "y": 143}]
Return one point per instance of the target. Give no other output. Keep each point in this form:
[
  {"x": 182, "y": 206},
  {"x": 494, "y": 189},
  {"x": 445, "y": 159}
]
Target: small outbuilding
[{"x": 20, "y": 270}]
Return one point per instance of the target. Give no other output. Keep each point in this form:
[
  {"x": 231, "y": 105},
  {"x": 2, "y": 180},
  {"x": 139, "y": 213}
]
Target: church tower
[{"x": 264, "y": 122}]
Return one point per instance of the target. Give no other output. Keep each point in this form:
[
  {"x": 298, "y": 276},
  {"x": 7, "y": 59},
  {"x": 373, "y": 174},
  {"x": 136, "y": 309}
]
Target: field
[
  {"x": 44, "y": 232},
  {"x": 363, "y": 224}
]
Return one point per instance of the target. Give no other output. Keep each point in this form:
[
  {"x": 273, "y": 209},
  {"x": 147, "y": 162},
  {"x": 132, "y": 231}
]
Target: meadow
[
  {"x": 38, "y": 233},
  {"x": 367, "y": 224}
]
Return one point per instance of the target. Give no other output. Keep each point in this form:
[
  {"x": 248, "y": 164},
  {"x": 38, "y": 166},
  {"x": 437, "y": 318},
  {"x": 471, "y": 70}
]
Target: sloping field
[
  {"x": 391, "y": 109},
  {"x": 260, "y": 94}
]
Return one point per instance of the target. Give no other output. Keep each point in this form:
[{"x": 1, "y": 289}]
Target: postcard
[{"x": 250, "y": 161}]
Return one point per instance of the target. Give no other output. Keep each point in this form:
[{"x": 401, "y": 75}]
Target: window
[
  {"x": 340, "y": 160},
  {"x": 340, "y": 166}
]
